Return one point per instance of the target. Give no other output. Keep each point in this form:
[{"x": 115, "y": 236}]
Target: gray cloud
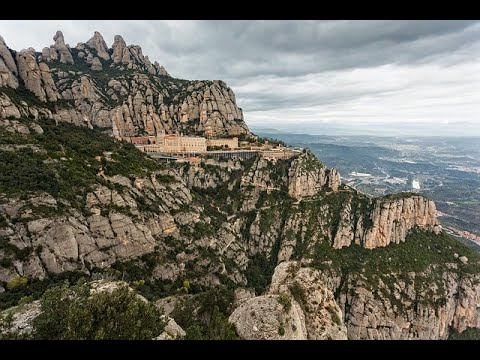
[{"x": 371, "y": 71}]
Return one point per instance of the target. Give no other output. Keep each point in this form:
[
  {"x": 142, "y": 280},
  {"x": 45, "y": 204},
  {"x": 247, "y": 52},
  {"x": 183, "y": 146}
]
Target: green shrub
[
  {"x": 72, "y": 313},
  {"x": 468, "y": 334},
  {"x": 186, "y": 286},
  {"x": 205, "y": 316},
  {"x": 25, "y": 300},
  {"x": 259, "y": 272},
  {"x": 35, "y": 288},
  {"x": 16, "y": 282},
  {"x": 24, "y": 171},
  {"x": 298, "y": 293},
  {"x": 165, "y": 179},
  {"x": 140, "y": 282},
  {"x": 334, "y": 316},
  {"x": 3, "y": 221},
  {"x": 285, "y": 301}
]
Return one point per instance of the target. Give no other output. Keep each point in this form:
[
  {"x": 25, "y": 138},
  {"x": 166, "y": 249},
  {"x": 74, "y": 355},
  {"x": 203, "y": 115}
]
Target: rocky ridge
[
  {"x": 118, "y": 89},
  {"x": 317, "y": 308},
  {"x": 311, "y": 313}
]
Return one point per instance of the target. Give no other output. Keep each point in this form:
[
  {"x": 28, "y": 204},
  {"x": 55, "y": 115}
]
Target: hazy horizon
[{"x": 385, "y": 130}]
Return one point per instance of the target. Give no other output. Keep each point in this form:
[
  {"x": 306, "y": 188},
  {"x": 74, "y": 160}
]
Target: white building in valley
[{"x": 416, "y": 184}]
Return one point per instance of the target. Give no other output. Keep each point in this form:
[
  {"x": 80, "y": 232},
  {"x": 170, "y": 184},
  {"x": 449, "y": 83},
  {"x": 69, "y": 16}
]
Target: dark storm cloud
[
  {"x": 337, "y": 70},
  {"x": 301, "y": 47}
]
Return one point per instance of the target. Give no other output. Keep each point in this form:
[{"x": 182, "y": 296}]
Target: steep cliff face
[
  {"x": 408, "y": 314},
  {"x": 393, "y": 219},
  {"x": 36, "y": 77},
  {"x": 8, "y": 67},
  {"x": 111, "y": 227},
  {"x": 307, "y": 177},
  {"x": 298, "y": 305},
  {"x": 312, "y": 304},
  {"x": 389, "y": 221},
  {"x": 118, "y": 89}
]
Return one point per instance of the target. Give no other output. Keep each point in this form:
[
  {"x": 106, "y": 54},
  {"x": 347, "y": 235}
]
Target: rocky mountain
[
  {"x": 117, "y": 89},
  {"x": 255, "y": 249}
]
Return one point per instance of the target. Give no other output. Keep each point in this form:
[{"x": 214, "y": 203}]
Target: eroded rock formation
[{"x": 139, "y": 97}]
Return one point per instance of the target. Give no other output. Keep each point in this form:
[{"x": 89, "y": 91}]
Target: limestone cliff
[
  {"x": 371, "y": 315},
  {"x": 389, "y": 221},
  {"x": 308, "y": 256},
  {"x": 323, "y": 305},
  {"x": 8, "y": 67},
  {"x": 118, "y": 217},
  {"x": 298, "y": 306},
  {"x": 307, "y": 177},
  {"x": 393, "y": 219},
  {"x": 325, "y": 263},
  {"x": 115, "y": 88}
]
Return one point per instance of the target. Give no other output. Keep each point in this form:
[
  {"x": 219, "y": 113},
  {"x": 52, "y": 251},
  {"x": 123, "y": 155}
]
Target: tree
[
  {"x": 52, "y": 321},
  {"x": 186, "y": 285},
  {"x": 72, "y": 313}
]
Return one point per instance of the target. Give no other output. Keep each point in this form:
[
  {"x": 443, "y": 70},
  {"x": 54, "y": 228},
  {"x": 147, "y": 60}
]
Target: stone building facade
[
  {"x": 171, "y": 143},
  {"x": 230, "y": 143}
]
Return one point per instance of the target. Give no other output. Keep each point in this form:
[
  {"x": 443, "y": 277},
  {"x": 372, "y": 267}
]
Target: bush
[
  {"x": 285, "y": 301},
  {"x": 165, "y": 178},
  {"x": 3, "y": 221},
  {"x": 468, "y": 334},
  {"x": 17, "y": 282},
  {"x": 205, "y": 316},
  {"x": 24, "y": 171},
  {"x": 138, "y": 283},
  {"x": 298, "y": 293},
  {"x": 72, "y": 313},
  {"x": 334, "y": 316},
  {"x": 259, "y": 272},
  {"x": 186, "y": 286}
]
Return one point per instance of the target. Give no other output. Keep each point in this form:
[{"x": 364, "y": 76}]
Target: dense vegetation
[
  {"x": 469, "y": 334},
  {"x": 72, "y": 313},
  {"x": 77, "y": 313},
  {"x": 205, "y": 316},
  {"x": 420, "y": 250},
  {"x": 66, "y": 160},
  {"x": 35, "y": 288}
]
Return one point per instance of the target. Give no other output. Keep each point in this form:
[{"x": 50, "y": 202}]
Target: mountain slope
[{"x": 280, "y": 247}]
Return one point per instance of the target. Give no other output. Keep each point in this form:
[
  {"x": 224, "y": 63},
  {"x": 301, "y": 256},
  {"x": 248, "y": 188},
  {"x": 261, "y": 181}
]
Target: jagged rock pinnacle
[
  {"x": 58, "y": 38},
  {"x": 119, "y": 53},
  {"x": 98, "y": 43},
  {"x": 62, "y": 49}
]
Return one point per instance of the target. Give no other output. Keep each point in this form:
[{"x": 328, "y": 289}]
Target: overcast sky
[{"x": 362, "y": 74}]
